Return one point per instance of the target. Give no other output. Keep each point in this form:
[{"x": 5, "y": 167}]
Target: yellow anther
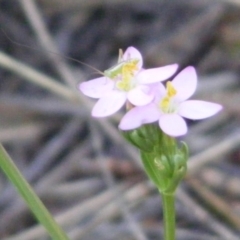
[
  {"x": 164, "y": 104},
  {"x": 171, "y": 91},
  {"x": 167, "y": 104}
]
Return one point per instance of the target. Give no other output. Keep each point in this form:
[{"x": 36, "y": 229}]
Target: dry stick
[
  {"x": 212, "y": 154},
  {"x": 235, "y": 2},
  {"x": 18, "y": 208},
  {"x": 68, "y": 166},
  {"x": 53, "y": 148},
  {"x": 109, "y": 179},
  {"x": 132, "y": 197},
  {"x": 221, "y": 181},
  {"x": 61, "y": 5},
  {"x": 203, "y": 132},
  {"x": 22, "y": 132},
  {"x": 220, "y": 82},
  {"x": 73, "y": 215},
  {"x": 45, "y": 157},
  {"x": 49, "y": 106},
  {"x": 205, "y": 217},
  {"x": 204, "y": 127},
  {"x": 79, "y": 189},
  {"x": 216, "y": 202},
  {"x": 113, "y": 133},
  {"x": 36, "y": 77},
  {"x": 35, "y": 19}
]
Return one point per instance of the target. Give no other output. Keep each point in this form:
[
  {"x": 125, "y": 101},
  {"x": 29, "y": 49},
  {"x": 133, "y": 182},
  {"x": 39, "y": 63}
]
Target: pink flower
[
  {"x": 170, "y": 105},
  {"x": 127, "y": 80}
]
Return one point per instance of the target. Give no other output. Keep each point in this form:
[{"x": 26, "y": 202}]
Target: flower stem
[
  {"x": 169, "y": 216},
  {"x": 32, "y": 200}
]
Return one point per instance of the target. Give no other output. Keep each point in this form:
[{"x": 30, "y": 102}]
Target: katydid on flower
[
  {"x": 122, "y": 64},
  {"x": 125, "y": 81}
]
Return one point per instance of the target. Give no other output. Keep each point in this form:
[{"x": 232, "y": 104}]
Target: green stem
[
  {"x": 32, "y": 200},
  {"x": 169, "y": 216}
]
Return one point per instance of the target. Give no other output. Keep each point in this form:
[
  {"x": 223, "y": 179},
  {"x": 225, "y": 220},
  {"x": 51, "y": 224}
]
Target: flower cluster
[{"x": 149, "y": 99}]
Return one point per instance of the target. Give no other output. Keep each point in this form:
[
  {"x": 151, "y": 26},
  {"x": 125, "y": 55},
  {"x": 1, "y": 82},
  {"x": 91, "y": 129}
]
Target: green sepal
[
  {"x": 163, "y": 166},
  {"x": 144, "y": 138},
  {"x": 137, "y": 140},
  {"x": 149, "y": 167},
  {"x": 184, "y": 150},
  {"x": 164, "y": 161},
  {"x": 152, "y": 132},
  {"x": 179, "y": 164},
  {"x": 153, "y": 171}
]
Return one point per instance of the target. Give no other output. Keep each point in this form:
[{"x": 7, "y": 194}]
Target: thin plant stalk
[
  {"x": 32, "y": 200},
  {"x": 169, "y": 216}
]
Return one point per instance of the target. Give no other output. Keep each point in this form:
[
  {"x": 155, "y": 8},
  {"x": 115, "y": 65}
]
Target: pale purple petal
[
  {"x": 140, "y": 96},
  {"x": 154, "y": 75},
  {"x": 195, "y": 109},
  {"x": 158, "y": 90},
  {"x": 133, "y": 53},
  {"x": 185, "y": 83},
  {"x": 138, "y": 116},
  {"x": 109, "y": 104},
  {"x": 96, "y": 88},
  {"x": 173, "y": 125}
]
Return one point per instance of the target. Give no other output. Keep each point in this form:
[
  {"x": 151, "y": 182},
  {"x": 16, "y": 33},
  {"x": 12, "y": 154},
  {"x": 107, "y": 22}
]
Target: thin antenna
[{"x": 57, "y": 54}]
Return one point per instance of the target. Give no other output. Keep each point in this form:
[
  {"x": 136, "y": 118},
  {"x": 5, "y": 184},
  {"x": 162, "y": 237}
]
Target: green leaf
[{"x": 32, "y": 200}]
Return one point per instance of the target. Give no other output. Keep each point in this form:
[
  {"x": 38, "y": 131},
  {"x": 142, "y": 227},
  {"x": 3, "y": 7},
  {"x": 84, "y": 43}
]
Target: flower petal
[
  {"x": 140, "y": 96},
  {"x": 185, "y": 83},
  {"x": 159, "y": 74},
  {"x": 109, "y": 104},
  {"x": 138, "y": 116},
  {"x": 195, "y": 109},
  {"x": 158, "y": 90},
  {"x": 173, "y": 125},
  {"x": 96, "y": 88},
  {"x": 133, "y": 53}
]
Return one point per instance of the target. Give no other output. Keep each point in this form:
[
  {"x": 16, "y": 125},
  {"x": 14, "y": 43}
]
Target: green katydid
[{"x": 128, "y": 65}]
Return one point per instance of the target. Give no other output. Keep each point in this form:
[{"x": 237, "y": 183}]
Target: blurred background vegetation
[{"x": 82, "y": 169}]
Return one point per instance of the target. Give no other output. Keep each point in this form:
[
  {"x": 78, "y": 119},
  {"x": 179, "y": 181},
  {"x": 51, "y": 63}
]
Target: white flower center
[{"x": 168, "y": 103}]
